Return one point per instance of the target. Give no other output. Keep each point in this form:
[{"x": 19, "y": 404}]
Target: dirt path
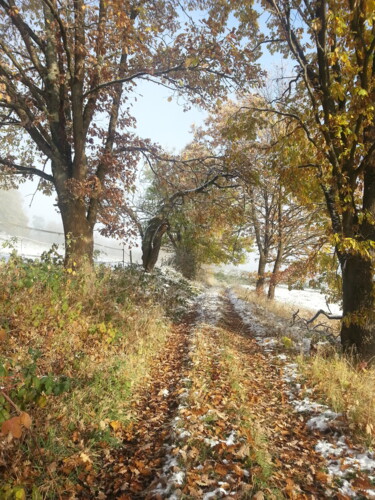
[
  {"x": 298, "y": 469},
  {"x": 216, "y": 422},
  {"x": 130, "y": 472}
]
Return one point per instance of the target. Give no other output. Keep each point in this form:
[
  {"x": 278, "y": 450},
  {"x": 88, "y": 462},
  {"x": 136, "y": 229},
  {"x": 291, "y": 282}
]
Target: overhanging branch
[{"x": 19, "y": 169}]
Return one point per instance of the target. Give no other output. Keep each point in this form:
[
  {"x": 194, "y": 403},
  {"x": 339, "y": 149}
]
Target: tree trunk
[
  {"x": 151, "y": 241},
  {"x": 185, "y": 262},
  {"x": 280, "y": 249},
  {"x": 275, "y": 272},
  {"x": 358, "y": 327},
  {"x": 79, "y": 234},
  {"x": 259, "y": 287},
  {"x": 358, "y": 270}
]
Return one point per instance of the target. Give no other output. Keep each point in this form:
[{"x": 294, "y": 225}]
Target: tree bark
[
  {"x": 79, "y": 234},
  {"x": 358, "y": 327},
  {"x": 280, "y": 249},
  {"x": 275, "y": 271},
  {"x": 259, "y": 287},
  {"x": 151, "y": 241}
]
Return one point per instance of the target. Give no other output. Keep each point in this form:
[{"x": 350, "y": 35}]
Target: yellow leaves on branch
[
  {"x": 353, "y": 246},
  {"x": 15, "y": 425}
]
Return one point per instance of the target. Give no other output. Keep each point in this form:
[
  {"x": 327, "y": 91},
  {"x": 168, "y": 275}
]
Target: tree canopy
[{"x": 67, "y": 74}]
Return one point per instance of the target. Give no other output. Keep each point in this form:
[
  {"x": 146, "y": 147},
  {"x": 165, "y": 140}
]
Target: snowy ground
[
  {"x": 308, "y": 298},
  {"x": 111, "y": 252}
]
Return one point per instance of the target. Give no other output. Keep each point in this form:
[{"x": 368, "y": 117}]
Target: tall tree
[
  {"x": 331, "y": 98},
  {"x": 67, "y": 72}
]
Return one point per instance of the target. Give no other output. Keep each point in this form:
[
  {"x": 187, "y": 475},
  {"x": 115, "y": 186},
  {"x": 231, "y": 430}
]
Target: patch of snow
[
  {"x": 218, "y": 493},
  {"x": 268, "y": 342},
  {"x": 305, "y": 345},
  {"x": 346, "y": 489},
  {"x": 178, "y": 478},
  {"x": 211, "y": 442},
  {"x": 184, "y": 434},
  {"x": 308, "y": 298},
  {"x": 343, "y": 461},
  {"x": 306, "y": 406},
  {"x": 322, "y": 422},
  {"x": 246, "y": 312},
  {"x": 290, "y": 372},
  {"x": 327, "y": 449},
  {"x": 231, "y": 439},
  {"x": 210, "y": 307},
  {"x": 283, "y": 357}
]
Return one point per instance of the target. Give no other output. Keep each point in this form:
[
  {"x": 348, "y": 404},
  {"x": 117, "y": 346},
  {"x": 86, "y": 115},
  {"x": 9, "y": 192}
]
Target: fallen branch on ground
[
  {"x": 329, "y": 316},
  {"x": 320, "y": 328}
]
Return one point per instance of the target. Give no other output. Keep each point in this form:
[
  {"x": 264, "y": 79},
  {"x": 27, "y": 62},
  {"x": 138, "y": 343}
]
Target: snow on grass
[
  {"x": 307, "y": 298},
  {"x": 290, "y": 371},
  {"x": 322, "y": 422},
  {"x": 210, "y": 307},
  {"x": 218, "y": 493},
  {"x": 343, "y": 463},
  {"x": 262, "y": 322},
  {"x": 306, "y": 405},
  {"x": 247, "y": 313}
]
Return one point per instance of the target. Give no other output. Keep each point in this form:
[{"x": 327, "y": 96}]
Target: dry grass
[
  {"x": 264, "y": 306},
  {"x": 101, "y": 332},
  {"x": 348, "y": 389}
]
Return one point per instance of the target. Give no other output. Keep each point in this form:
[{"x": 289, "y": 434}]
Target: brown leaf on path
[
  {"x": 362, "y": 483},
  {"x": 290, "y": 489},
  {"x": 12, "y": 426},
  {"x": 258, "y": 496},
  {"x": 322, "y": 477},
  {"x": 25, "y": 420},
  {"x": 220, "y": 469}
]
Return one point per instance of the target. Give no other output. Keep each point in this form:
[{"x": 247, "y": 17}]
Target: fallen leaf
[
  {"x": 220, "y": 469},
  {"x": 322, "y": 477},
  {"x": 12, "y": 426},
  {"x": 25, "y": 420},
  {"x": 362, "y": 483},
  {"x": 115, "y": 424}
]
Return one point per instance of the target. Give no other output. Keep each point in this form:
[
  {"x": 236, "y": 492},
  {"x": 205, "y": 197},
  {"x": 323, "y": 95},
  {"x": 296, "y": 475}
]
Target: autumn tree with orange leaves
[{"x": 68, "y": 70}]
